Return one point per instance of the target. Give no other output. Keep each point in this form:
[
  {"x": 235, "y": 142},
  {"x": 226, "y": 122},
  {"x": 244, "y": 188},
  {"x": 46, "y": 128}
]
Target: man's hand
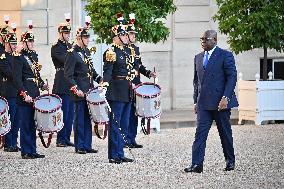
[
  {"x": 28, "y": 99},
  {"x": 195, "y": 108},
  {"x": 153, "y": 74},
  {"x": 45, "y": 87},
  {"x": 223, "y": 104},
  {"x": 80, "y": 93}
]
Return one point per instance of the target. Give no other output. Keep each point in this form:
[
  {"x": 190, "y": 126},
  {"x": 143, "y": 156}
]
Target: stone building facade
[{"x": 172, "y": 59}]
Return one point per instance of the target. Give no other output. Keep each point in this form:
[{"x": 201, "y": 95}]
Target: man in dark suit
[
  {"x": 215, "y": 77},
  {"x": 60, "y": 87}
]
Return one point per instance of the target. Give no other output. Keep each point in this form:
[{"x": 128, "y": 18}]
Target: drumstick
[
  {"x": 47, "y": 90},
  {"x": 154, "y": 77}
]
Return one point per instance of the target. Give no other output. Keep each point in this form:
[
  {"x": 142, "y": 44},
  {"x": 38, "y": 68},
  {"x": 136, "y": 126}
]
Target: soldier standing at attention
[
  {"x": 60, "y": 87},
  {"x": 4, "y": 30},
  {"x": 119, "y": 71},
  {"x": 9, "y": 91},
  {"x": 27, "y": 80},
  {"x": 133, "y": 119},
  {"x": 80, "y": 75}
]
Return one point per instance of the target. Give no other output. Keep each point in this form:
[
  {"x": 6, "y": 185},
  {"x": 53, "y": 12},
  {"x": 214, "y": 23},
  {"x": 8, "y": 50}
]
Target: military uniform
[
  {"x": 60, "y": 87},
  {"x": 133, "y": 121},
  {"x": 119, "y": 71},
  {"x": 9, "y": 92},
  {"x": 28, "y": 82},
  {"x": 4, "y": 30},
  {"x": 80, "y": 75}
]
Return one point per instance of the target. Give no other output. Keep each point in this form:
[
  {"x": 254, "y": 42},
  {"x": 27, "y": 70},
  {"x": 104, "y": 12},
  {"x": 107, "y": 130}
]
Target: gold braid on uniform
[
  {"x": 88, "y": 61},
  {"x": 130, "y": 64}
]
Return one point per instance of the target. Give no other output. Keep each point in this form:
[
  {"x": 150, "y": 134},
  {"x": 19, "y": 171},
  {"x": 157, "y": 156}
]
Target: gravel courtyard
[{"x": 259, "y": 163}]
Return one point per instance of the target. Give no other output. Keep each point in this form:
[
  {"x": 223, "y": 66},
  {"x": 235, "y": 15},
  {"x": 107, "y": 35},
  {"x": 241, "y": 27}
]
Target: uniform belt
[
  {"x": 59, "y": 69},
  {"x": 30, "y": 79},
  {"x": 119, "y": 77}
]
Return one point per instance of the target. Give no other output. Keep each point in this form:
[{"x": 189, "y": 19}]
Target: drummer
[
  {"x": 4, "y": 30},
  {"x": 9, "y": 91},
  {"x": 119, "y": 71},
  {"x": 80, "y": 75},
  {"x": 60, "y": 87},
  {"x": 27, "y": 80},
  {"x": 133, "y": 119}
]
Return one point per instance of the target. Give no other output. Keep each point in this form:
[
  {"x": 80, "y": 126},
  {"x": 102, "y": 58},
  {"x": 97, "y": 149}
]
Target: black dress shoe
[
  {"x": 70, "y": 144},
  {"x": 80, "y": 151},
  {"x": 194, "y": 169},
  {"x": 229, "y": 167},
  {"x": 10, "y": 149},
  {"x": 36, "y": 155},
  {"x": 115, "y": 160},
  {"x": 92, "y": 151},
  {"x": 17, "y": 148},
  {"x": 27, "y": 156},
  {"x": 61, "y": 145},
  {"x": 125, "y": 159},
  {"x": 137, "y": 145}
]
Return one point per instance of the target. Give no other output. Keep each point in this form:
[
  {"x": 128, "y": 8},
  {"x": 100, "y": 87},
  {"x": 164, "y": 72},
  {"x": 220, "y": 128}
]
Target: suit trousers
[
  {"x": 119, "y": 121},
  {"x": 63, "y": 136},
  {"x": 82, "y": 126},
  {"x": 204, "y": 122},
  {"x": 133, "y": 123},
  {"x": 27, "y": 129},
  {"x": 12, "y": 136}
]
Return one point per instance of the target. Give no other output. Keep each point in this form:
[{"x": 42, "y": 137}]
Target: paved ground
[{"x": 259, "y": 155}]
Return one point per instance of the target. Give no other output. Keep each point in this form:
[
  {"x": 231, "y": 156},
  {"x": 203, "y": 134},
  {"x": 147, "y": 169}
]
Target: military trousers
[
  {"x": 27, "y": 129},
  {"x": 63, "y": 136},
  {"x": 12, "y": 136},
  {"x": 82, "y": 127},
  {"x": 118, "y": 128}
]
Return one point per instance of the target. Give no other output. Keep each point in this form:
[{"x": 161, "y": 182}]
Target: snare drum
[
  {"x": 97, "y": 105},
  {"x": 5, "y": 124},
  {"x": 148, "y": 100},
  {"x": 48, "y": 113}
]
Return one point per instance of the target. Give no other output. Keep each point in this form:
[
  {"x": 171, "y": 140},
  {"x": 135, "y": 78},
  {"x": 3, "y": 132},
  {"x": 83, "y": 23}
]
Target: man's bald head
[{"x": 209, "y": 40}]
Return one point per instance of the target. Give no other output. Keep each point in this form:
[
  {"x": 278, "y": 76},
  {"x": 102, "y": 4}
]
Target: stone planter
[{"x": 260, "y": 100}]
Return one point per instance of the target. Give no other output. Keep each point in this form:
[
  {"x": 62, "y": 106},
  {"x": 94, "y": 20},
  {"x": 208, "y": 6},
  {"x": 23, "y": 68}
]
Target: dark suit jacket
[{"x": 217, "y": 80}]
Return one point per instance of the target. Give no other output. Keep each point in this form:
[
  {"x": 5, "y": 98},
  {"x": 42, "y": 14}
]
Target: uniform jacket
[
  {"x": 58, "y": 55},
  {"x": 119, "y": 89},
  {"x": 24, "y": 75},
  {"x": 2, "y": 50},
  {"x": 142, "y": 69},
  {"x": 8, "y": 89},
  {"x": 79, "y": 71},
  {"x": 217, "y": 80}
]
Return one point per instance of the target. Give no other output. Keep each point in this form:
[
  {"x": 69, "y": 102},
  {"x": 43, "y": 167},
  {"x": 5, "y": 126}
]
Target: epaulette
[
  {"x": 70, "y": 50},
  {"x": 3, "y": 56},
  {"x": 55, "y": 43},
  {"x": 110, "y": 55}
]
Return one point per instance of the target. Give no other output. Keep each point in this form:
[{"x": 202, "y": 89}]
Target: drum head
[
  {"x": 47, "y": 103},
  {"x": 2, "y": 105},
  {"x": 148, "y": 90},
  {"x": 96, "y": 96}
]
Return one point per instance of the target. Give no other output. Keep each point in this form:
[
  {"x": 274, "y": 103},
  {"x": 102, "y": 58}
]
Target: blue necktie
[{"x": 205, "y": 59}]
